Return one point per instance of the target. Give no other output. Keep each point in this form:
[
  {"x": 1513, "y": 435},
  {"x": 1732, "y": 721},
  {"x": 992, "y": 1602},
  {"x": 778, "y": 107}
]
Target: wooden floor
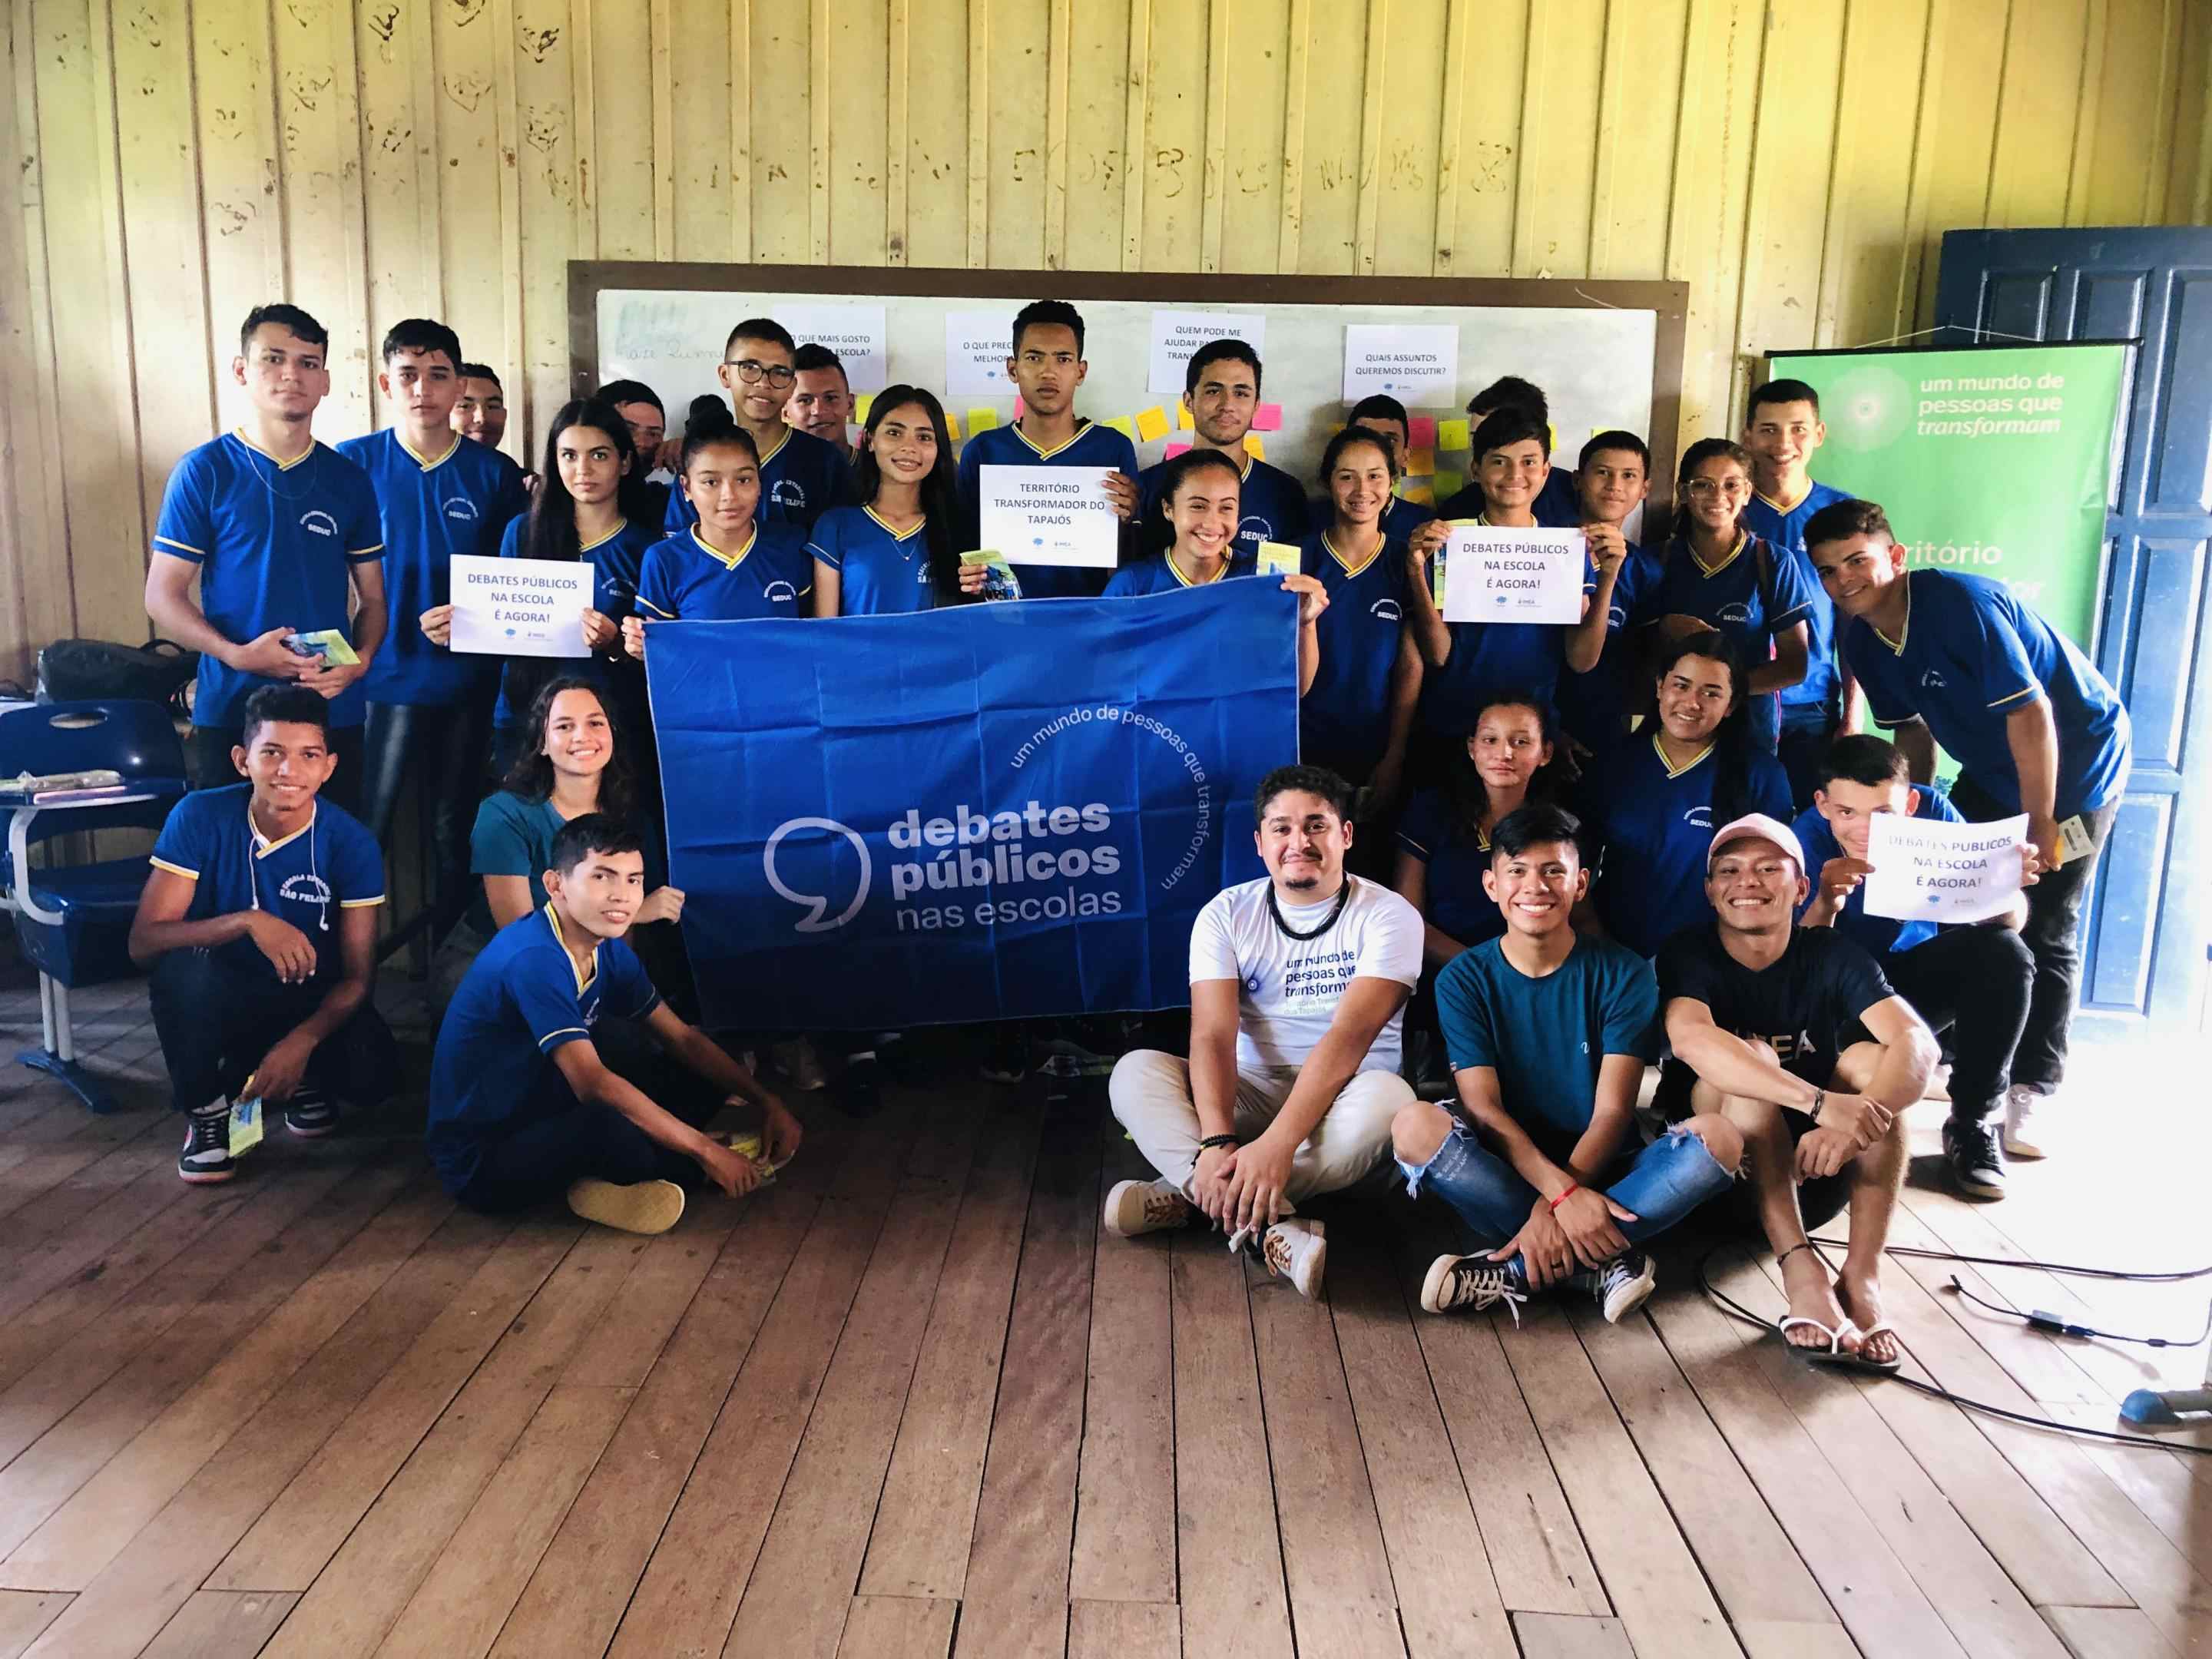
[{"x": 910, "y": 1401}]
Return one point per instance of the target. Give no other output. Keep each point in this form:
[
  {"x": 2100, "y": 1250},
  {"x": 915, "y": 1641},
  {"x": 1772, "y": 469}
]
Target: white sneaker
[
  {"x": 1293, "y": 1250},
  {"x": 2020, "y": 1136},
  {"x": 1145, "y": 1207}
]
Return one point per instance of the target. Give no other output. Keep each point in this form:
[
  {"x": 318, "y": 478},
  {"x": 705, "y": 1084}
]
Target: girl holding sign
[{"x": 893, "y": 553}]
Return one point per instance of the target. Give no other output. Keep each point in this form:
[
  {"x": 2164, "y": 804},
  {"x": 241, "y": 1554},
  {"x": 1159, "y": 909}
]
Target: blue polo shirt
[
  {"x": 1400, "y": 518},
  {"x": 1271, "y": 506},
  {"x": 1344, "y": 718},
  {"x": 687, "y": 577},
  {"x": 1161, "y": 575},
  {"x": 1819, "y": 693},
  {"x": 1487, "y": 657},
  {"x": 1093, "y": 445},
  {"x": 276, "y": 542},
  {"x": 1880, "y": 935},
  {"x": 1557, "y": 506},
  {"x": 1595, "y": 707},
  {"x": 802, "y": 476},
  {"x": 1655, "y": 825},
  {"x": 881, "y": 571},
  {"x": 1456, "y": 855},
  {"x": 493, "y": 1073},
  {"x": 615, "y": 559},
  {"x": 1969, "y": 653},
  {"x": 1733, "y": 599},
  {"x": 433, "y": 507},
  {"x": 331, "y": 861}
]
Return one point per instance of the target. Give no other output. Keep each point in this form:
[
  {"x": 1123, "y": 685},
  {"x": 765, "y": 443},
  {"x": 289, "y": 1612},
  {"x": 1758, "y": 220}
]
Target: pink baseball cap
[{"x": 1762, "y": 826}]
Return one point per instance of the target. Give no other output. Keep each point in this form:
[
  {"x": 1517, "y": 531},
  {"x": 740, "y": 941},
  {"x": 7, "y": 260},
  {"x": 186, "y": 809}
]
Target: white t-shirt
[{"x": 1288, "y": 989}]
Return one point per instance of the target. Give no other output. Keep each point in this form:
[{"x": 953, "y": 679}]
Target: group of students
[{"x": 1715, "y": 680}]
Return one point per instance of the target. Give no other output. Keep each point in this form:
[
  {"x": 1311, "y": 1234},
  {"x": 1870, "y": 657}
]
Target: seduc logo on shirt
[
  {"x": 1931, "y": 681},
  {"x": 1738, "y": 612},
  {"x": 462, "y": 508},
  {"x": 320, "y": 522},
  {"x": 1698, "y": 817},
  {"x": 779, "y": 593},
  {"x": 1387, "y": 610}
]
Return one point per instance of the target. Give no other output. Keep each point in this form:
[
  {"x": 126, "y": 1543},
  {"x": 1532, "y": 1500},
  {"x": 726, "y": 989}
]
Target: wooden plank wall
[{"x": 1796, "y": 161}]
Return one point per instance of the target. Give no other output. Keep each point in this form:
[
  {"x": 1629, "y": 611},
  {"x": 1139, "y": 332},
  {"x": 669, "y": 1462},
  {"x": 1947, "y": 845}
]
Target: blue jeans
[{"x": 1661, "y": 1185}]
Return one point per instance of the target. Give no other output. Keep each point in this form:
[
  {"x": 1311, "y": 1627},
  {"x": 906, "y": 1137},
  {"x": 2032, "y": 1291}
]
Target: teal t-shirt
[
  {"x": 1545, "y": 1038},
  {"x": 513, "y": 836}
]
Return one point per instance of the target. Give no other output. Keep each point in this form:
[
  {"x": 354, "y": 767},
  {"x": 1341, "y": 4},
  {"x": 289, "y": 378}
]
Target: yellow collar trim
[
  {"x": 239, "y": 432},
  {"x": 263, "y": 846},
  {"x": 1672, "y": 770},
  {"x": 776, "y": 448},
  {"x": 424, "y": 461},
  {"x": 1785, "y": 507},
  {"x": 585, "y": 975},
  {"x": 1742, "y": 541},
  {"x": 1082, "y": 425},
  {"x": 728, "y": 560},
  {"x": 621, "y": 525},
  {"x": 1897, "y": 645},
  {"x": 896, "y": 534},
  {"x": 1350, "y": 568},
  {"x": 1175, "y": 570}
]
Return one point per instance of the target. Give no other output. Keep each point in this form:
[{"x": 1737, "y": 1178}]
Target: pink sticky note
[
  {"x": 1420, "y": 432},
  {"x": 1018, "y": 405},
  {"x": 1268, "y": 417},
  {"x": 1175, "y": 450}
]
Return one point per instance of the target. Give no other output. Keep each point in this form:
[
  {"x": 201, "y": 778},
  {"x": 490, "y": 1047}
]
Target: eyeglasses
[
  {"x": 1723, "y": 487},
  {"x": 752, "y": 373}
]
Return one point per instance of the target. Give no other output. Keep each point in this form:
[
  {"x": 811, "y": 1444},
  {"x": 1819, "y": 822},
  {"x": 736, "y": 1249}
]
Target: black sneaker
[
  {"x": 1009, "y": 1059},
  {"x": 206, "y": 1157},
  {"x": 310, "y": 1113},
  {"x": 1971, "y": 1154},
  {"x": 1623, "y": 1285},
  {"x": 1474, "y": 1283}
]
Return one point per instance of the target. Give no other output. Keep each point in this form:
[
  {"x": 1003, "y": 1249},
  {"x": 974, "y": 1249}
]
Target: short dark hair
[
  {"x": 285, "y": 705},
  {"x": 1616, "y": 439},
  {"x": 1512, "y": 391},
  {"x": 1306, "y": 780},
  {"x": 482, "y": 372},
  {"x": 590, "y": 833},
  {"x": 707, "y": 422},
  {"x": 617, "y": 392},
  {"x": 1781, "y": 391},
  {"x": 1379, "y": 406},
  {"x": 1511, "y": 424},
  {"x": 1333, "y": 450},
  {"x": 761, "y": 328},
  {"x": 1537, "y": 824},
  {"x": 1219, "y": 351},
  {"x": 1840, "y": 520},
  {"x": 1864, "y": 758},
  {"x": 814, "y": 355},
  {"x": 291, "y": 318},
  {"x": 1046, "y": 313},
  {"x": 424, "y": 334}
]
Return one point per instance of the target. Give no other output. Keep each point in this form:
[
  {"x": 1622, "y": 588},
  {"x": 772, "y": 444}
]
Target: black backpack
[{"x": 97, "y": 671}]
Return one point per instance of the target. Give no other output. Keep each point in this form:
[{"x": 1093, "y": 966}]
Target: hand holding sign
[
  {"x": 1925, "y": 870},
  {"x": 519, "y": 607},
  {"x": 1497, "y": 574},
  {"x": 1056, "y": 515}
]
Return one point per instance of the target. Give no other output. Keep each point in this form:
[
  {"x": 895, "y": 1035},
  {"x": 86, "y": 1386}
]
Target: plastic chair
[{"x": 74, "y": 923}]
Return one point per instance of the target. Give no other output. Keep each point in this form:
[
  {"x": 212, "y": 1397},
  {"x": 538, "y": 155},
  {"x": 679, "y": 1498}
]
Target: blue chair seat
[{"x": 96, "y": 902}]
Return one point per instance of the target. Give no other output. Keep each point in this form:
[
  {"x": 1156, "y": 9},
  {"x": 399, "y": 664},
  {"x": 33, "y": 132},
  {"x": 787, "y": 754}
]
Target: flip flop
[
  {"x": 1835, "y": 1357},
  {"x": 1859, "y": 1362}
]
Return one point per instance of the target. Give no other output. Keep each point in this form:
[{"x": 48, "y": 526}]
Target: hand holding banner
[
  {"x": 1926, "y": 870},
  {"x": 1498, "y": 574},
  {"x": 520, "y": 607}
]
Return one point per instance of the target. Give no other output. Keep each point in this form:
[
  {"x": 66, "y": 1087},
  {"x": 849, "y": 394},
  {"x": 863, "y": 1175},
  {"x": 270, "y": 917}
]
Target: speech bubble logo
[{"x": 816, "y": 907}]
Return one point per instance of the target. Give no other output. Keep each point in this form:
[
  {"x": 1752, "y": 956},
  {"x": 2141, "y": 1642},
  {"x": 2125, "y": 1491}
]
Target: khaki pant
[{"x": 1151, "y": 1095}]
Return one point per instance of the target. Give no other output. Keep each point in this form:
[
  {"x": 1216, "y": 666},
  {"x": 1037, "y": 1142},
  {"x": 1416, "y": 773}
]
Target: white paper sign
[
  {"x": 1413, "y": 363},
  {"x": 1496, "y": 574},
  {"x": 976, "y": 346},
  {"x": 1177, "y": 335},
  {"x": 520, "y": 607},
  {"x": 1050, "y": 515},
  {"x": 855, "y": 333},
  {"x": 1926, "y": 870}
]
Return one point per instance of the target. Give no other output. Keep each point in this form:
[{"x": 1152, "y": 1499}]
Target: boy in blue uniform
[
  {"x": 821, "y": 401},
  {"x": 1781, "y": 427},
  {"x": 1557, "y": 506},
  {"x": 1957, "y": 660},
  {"x": 1047, "y": 365},
  {"x": 283, "y": 537},
  {"x": 1549, "y": 1033},
  {"x": 1222, "y": 393},
  {"x": 1613, "y": 480},
  {"x": 1971, "y": 981},
  {"x": 800, "y": 475},
  {"x": 480, "y": 414},
  {"x": 1383, "y": 414},
  {"x": 643, "y": 412},
  {"x": 522, "y": 1106},
  {"x": 439, "y": 494},
  {"x": 258, "y": 924}
]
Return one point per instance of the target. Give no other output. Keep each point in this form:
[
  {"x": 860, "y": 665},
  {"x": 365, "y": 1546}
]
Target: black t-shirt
[{"x": 1802, "y": 1006}]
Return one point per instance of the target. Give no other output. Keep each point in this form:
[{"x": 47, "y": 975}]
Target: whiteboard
[{"x": 1594, "y": 365}]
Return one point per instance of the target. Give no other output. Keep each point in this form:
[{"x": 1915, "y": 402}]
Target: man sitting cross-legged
[
  {"x": 1548, "y": 1034},
  {"x": 1297, "y": 984},
  {"x": 1793, "y": 1034}
]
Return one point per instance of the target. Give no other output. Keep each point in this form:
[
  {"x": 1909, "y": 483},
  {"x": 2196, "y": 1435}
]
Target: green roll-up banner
[{"x": 1998, "y": 460}]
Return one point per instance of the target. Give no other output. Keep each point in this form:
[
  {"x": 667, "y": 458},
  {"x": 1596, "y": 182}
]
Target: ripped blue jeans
[{"x": 1662, "y": 1184}]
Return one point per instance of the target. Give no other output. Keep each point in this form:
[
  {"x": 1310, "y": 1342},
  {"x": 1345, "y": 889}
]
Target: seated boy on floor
[
  {"x": 522, "y": 1106},
  {"x": 255, "y": 982},
  {"x": 1549, "y": 1032}
]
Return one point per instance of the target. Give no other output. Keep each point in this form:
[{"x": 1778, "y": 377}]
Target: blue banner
[{"x": 982, "y": 813}]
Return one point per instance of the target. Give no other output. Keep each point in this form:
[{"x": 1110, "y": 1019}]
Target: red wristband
[{"x": 1573, "y": 1187}]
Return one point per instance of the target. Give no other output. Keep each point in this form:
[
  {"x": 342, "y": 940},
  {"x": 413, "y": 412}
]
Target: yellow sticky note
[
  {"x": 1182, "y": 418},
  {"x": 951, "y": 424},
  {"x": 982, "y": 419},
  {"x": 1421, "y": 463},
  {"x": 1454, "y": 435},
  {"x": 1254, "y": 447},
  {"x": 1448, "y": 484},
  {"x": 1125, "y": 426},
  {"x": 1418, "y": 494},
  {"x": 861, "y": 405},
  {"x": 1152, "y": 424}
]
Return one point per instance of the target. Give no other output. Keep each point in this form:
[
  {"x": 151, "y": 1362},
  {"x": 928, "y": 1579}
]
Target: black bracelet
[{"x": 1211, "y": 1141}]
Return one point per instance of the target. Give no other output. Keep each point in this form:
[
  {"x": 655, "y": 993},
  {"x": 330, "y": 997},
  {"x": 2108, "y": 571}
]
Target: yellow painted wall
[{"x": 1795, "y": 162}]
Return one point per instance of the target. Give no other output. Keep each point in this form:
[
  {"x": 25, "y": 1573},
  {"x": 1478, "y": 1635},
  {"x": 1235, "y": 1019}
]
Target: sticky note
[
  {"x": 1454, "y": 435},
  {"x": 1151, "y": 424},
  {"x": 1174, "y": 450},
  {"x": 861, "y": 405},
  {"x": 1421, "y": 463},
  {"x": 1254, "y": 447},
  {"x": 1183, "y": 422},
  {"x": 982, "y": 418},
  {"x": 1268, "y": 417},
  {"x": 1448, "y": 484},
  {"x": 1420, "y": 432},
  {"x": 1418, "y": 494},
  {"x": 1125, "y": 426},
  {"x": 1017, "y": 406},
  {"x": 951, "y": 424}
]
